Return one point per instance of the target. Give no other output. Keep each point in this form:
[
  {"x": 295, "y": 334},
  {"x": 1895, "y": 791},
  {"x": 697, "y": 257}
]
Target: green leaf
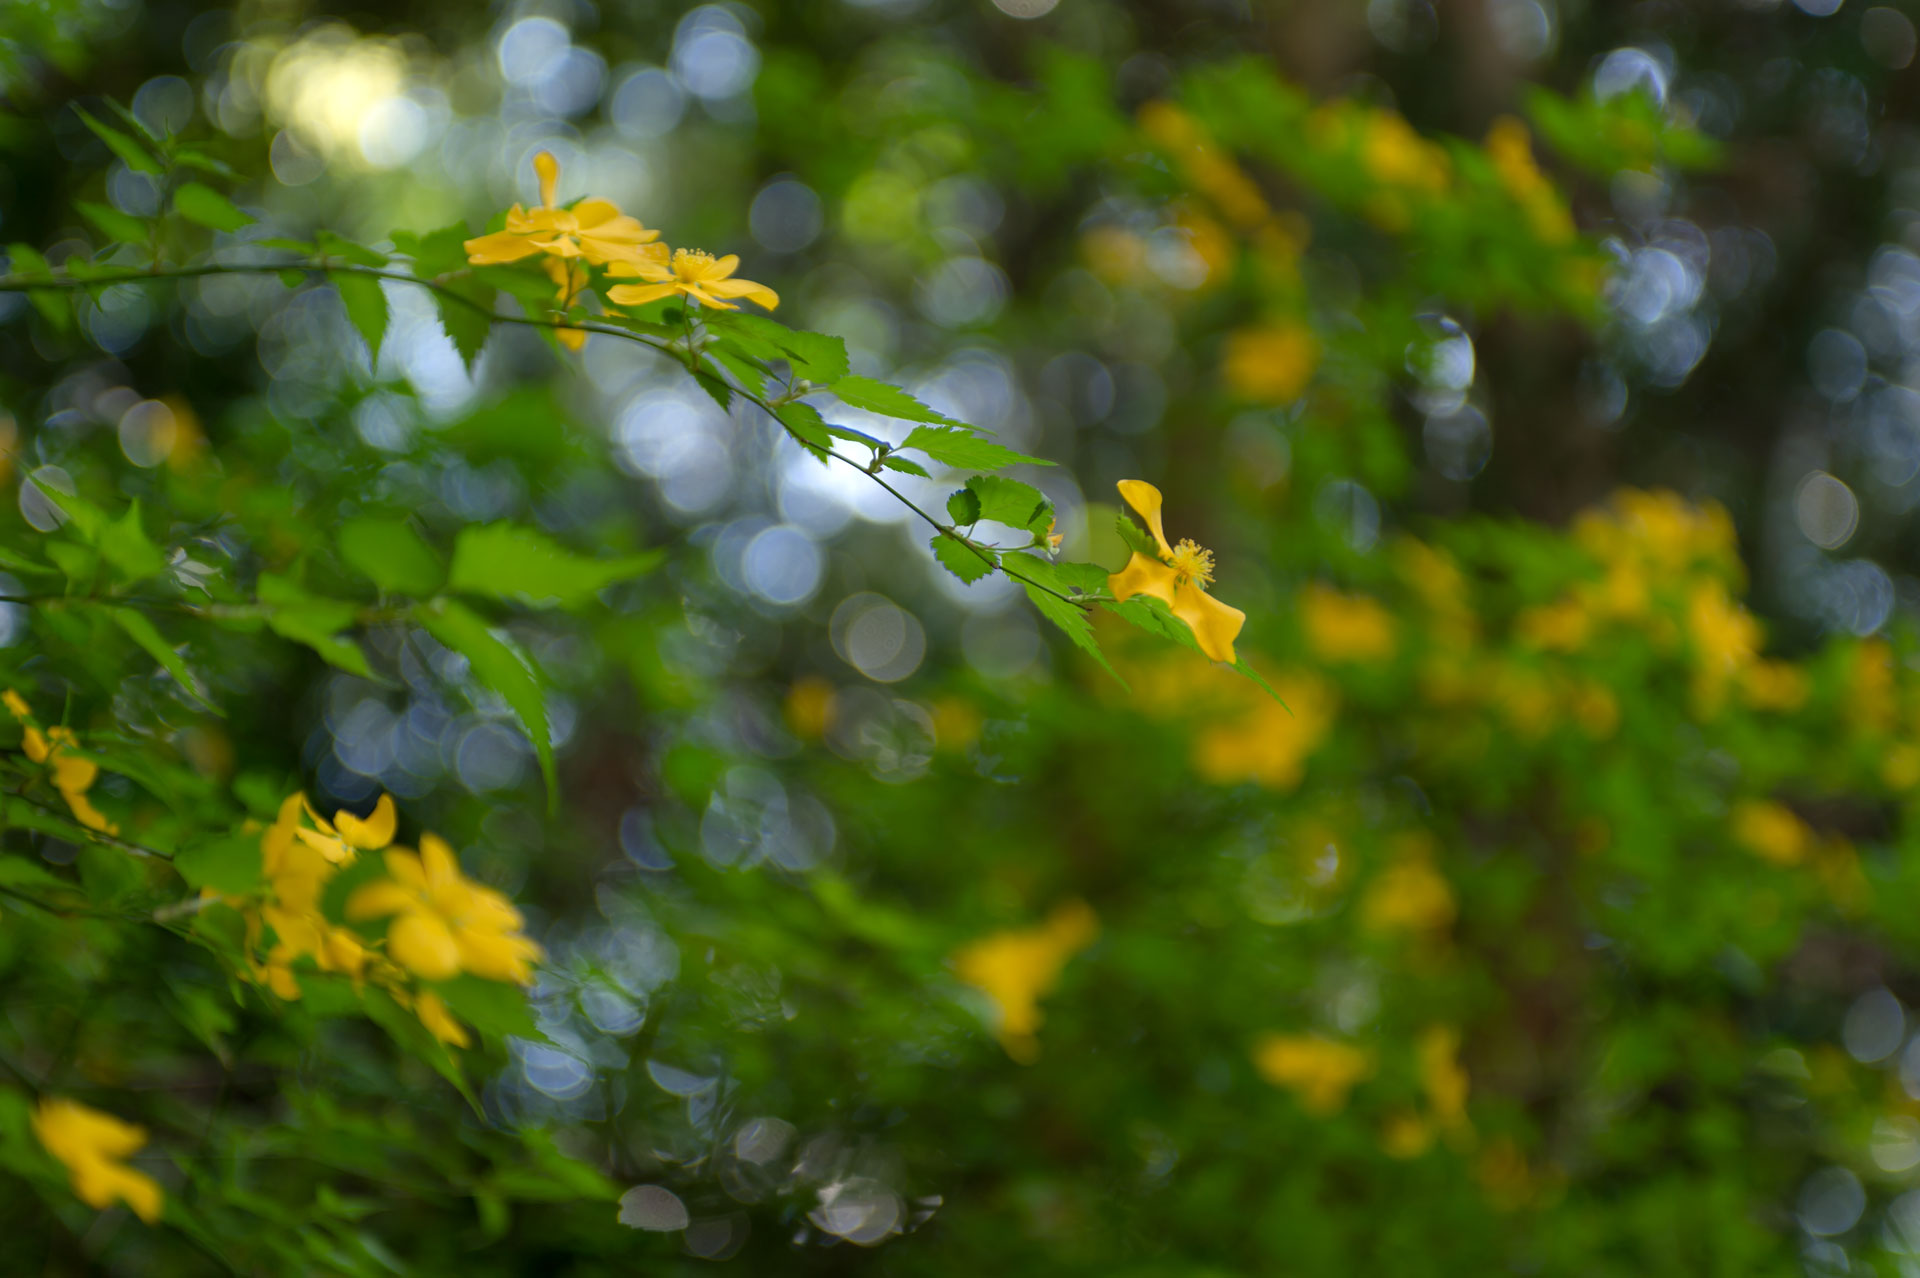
[
  {"x": 817, "y": 357},
  {"x": 199, "y": 203},
  {"x": 229, "y": 863},
  {"x": 14, "y": 561},
  {"x": 131, "y": 153},
  {"x": 358, "y": 254},
  {"x": 205, "y": 163},
  {"x": 889, "y": 401},
  {"x": 1138, "y": 539},
  {"x": 53, "y": 305},
  {"x": 893, "y": 461},
  {"x": 963, "y": 561},
  {"x": 308, "y": 619},
  {"x": 1067, "y": 578},
  {"x": 467, "y": 322},
  {"x": 495, "y": 1008},
  {"x": 803, "y": 422},
  {"x": 963, "y": 450},
  {"x": 963, "y": 506},
  {"x": 500, "y": 666},
  {"x": 716, "y": 389},
  {"x": 366, "y": 305},
  {"x": 124, "y": 544},
  {"x": 388, "y": 552},
  {"x": 438, "y": 252},
  {"x": 139, "y": 629},
  {"x": 112, "y": 223},
  {"x": 745, "y": 369},
  {"x": 1073, "y": 622},
  {"x": 508, "y": 561},
  {"x": 1010, "y": 502}
]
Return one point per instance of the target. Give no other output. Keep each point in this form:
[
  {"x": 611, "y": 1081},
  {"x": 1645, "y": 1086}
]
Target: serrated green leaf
[
  {"x": 112, "y": 223},
  {"x": 496, "y": 1009},
  {"x": 388, "y": 552},
  {"x": 963, "y": 450},
  {"x": 889, "y": 401},
  {"x": 716, "y": 389},
  {"x": 500, "y": 666},
  {"x": 966, "y": 562},
  {"x": 746, "y": 371},
  {"x": 963, "y": 507},
  {"x": 1072, "y": 621},
  {"x": 138, "y": 628},
  {"x": 1067, "y": 578},
  {"x": 465, "y": 307},
  {"x": 1138, "y": 539},
  {"x": 803, "y": 422},
  {"x": 507, "y": 561},
  {"x": 293, "y": 613},
  {"x": 437, "y": 252},
  {"x": 816, "y": 357},
  {"x": 131, "y": 153},
  {"x": 200, "y": 203},
  {"x": 893, "y": 461},
  {"x": 366, "y": 304},
  {"x": 1010, "y": 502},
  {"x": 229, "y": 863},
  {"x": 124, "y": 543}
]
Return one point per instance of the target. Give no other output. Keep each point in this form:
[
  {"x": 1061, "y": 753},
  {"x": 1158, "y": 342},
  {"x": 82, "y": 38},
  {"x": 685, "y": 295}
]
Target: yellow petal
[
  {"x": 16, "y": 705},
  {"x": 549, "y": 170},
  {"x": 571, "y": 338},
  {"x": 86, "y": 814},
  {"x": 1145, "y": 498},
  {"x": 373, "y": 832},
  {"x": 745, "y": 288},
  {"x": 639, "y": 294},
  {"x": 423, "y": 944},
  {"x": 1143, "y": 576},
  {"x": 35, "y": 744},
  {"x": 383, "y": 896},
  {"x": 499, "y": 247},
  {"x": 441, "y": 865},
  {"x": 433, "y": 1014},
  {"x": 1213, "y": 623},
  {"x": 650, "y": 264},
  {"x": 722, "y": 267},
  {"x": 498, "y": 956}
]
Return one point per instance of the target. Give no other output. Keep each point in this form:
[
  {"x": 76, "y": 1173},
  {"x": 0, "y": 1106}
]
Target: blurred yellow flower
[
  {"x": 58, "y": 748},
  {"x": 1178, "y": 579},
  {"x": 1268, "y": 743},
  {"x": 1114, "y": 253},
  {"x": 1319, "y": 1070},
  {"x": 1410, "y": 895},
  {"x": 809, "y": 707},
  {"x": 1771, "y": 831},
  {"x": 956, "y": 723},
  {"x": 692, "y": 273},
  {"x": 1871, "y": 705},
  {"x": 1397, "y": 156},
  {"x": 1774, "y": 685},
  {"x": 445, "y": 923},
  {"x": 1562, "y": 626},
  {"x": 1017, "y": 968},
  {"x": 1511, "y": 149},
  {"x": 1343, "y": 627},
  {"x": 1445, "y": 1082},
  {"x": 1273, "y": 363},
  {"x": 1725, "y": 639},
  {"x": 94, "y": 1147}
]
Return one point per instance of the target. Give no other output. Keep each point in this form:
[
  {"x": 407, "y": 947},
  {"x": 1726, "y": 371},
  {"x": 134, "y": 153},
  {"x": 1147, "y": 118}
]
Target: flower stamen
[{"x": 1192, "y": 561}]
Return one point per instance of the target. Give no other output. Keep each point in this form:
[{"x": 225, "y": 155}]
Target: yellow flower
[
  {"x": 1016, "y": 968},
  {"x": 594, "y": 230},
  {"x": 447, "y": 923},
  {"x": 1445, "y": 1082},
  {"x": 1176, "y": 579},
  {"x": 95, "y": 1146},
  {"x": 1272, "y": 363},
  {"x": 1771, "y": 831},
  {"x": 1511, "y": 150},
  {"x": 1559, "y": 627},
  {"x": 1726, "y": 639},
  {"x": 1774, "y": 685},
  {"x": 1319, "y": 1070},
  {"x": 692, "y": 273},
  {"x": 1346, "y": 627},
  {"x": 57, "y": 747},
  {"x": 809, "y": 708},
  {"x": 1410, "y": 895},
  {"x": 1269, "y": 743}
]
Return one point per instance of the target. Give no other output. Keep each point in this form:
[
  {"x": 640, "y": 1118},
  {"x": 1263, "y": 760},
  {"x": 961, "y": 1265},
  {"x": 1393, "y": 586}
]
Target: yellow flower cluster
[
  {"x": 1406, "y": 170},
  {"x": 1015, "y": 969},
  {"x": 1345, "y": 628},
  {"x": 1271, "y": 363},
  {"x": 1408, "y": 1134},
  {"x": 57, "y": 748},
  {"x": 1410, "y": 895},
  {"x": 94, "y": 1147},
  {"x": 595, "y": 233},
  {"x": 444, "y": 923}
]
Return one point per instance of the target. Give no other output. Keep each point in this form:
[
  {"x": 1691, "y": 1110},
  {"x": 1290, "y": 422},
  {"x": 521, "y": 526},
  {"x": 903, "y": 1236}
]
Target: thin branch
[{"x": 22, "y": 284}]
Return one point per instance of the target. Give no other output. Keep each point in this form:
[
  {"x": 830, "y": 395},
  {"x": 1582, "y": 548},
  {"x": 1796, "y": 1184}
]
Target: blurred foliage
[{"x": 528, "y": 749}]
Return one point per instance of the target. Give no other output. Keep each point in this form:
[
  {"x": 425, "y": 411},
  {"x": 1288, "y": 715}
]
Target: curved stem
[{"x": 325, "y": 266}]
